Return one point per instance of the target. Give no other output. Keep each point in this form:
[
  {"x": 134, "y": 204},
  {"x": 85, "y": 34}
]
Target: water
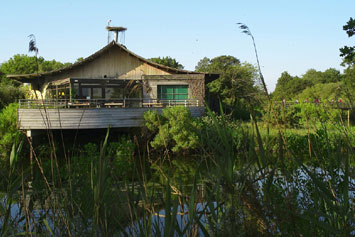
[{"x": 301, "y": 182}]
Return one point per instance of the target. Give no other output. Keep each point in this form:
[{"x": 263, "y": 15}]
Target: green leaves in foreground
[{"x": 174, "y": 129}]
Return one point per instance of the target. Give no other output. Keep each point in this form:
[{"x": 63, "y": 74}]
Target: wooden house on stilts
[{"x": 111, "y": 88}]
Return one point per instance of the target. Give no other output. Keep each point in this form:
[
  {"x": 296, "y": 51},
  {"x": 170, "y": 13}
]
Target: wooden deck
[{"x": 86, "y": 118}]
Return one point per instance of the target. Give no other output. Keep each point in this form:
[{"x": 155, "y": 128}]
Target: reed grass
[{"x": 252, "y": 182}]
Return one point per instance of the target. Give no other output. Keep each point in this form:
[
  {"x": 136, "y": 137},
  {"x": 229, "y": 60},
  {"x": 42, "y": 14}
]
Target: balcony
[{"x": 93, "y": 113}]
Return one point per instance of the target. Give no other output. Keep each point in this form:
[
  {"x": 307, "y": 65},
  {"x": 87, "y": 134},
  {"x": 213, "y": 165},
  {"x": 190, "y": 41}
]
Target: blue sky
[{"x": 291, "y": 36}]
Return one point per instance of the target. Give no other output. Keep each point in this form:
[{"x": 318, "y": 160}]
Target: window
[
  {"x": 173, "y": 92},
  {"x": 96, "y": 93}
]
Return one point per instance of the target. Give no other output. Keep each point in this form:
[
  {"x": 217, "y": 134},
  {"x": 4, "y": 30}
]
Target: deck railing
[{"x": 103, "y": 103}]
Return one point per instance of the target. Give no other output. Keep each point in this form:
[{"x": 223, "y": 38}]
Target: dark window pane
[{"x": 96, "y": 93}]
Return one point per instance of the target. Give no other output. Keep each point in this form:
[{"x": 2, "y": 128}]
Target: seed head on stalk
[
  {"x": 246, "y": 30},
  {"x": 32, "y": 47}
]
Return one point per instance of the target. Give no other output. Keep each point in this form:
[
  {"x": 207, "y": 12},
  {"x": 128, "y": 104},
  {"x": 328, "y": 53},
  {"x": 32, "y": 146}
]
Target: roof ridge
[{"x": 97, "y": 54}]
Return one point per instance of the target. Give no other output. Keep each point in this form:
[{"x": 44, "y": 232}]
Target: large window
[
  {"x": 173, "y": 92},
  {"x": 105, "y": 89}
]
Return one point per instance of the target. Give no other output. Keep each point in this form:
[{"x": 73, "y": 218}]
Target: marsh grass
[{"x": 246, "y": 181}]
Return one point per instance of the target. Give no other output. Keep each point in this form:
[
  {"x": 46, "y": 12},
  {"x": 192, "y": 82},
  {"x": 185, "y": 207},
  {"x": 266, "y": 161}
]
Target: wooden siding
[
  {"x": 115, "y": 63},
  {"x": 90, "y": 118}
]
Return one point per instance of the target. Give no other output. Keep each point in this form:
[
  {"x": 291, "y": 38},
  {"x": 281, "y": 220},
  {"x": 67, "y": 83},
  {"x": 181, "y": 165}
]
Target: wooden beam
[{"x": 175, "y": 77}]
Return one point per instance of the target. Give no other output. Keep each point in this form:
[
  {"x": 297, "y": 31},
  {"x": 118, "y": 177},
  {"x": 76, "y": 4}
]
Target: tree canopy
[
  {"x": 24, "y": 64},
  {"x": 216, "y": 65},
  {"x": 313, "y": 85},
  {"x": 236, "y": 85},
  {"x": 167, "y": 61},
  {"x": 348, "y": 52}
]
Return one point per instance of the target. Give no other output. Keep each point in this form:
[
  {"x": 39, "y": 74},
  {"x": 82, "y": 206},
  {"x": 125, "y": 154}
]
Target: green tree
[
  {"x": 216, "y": 65},
  {"x": 282, "y": 90},
  {"x": 236, "y": 86},
  {"x": 24, "y": 64},
  {"x": 312, "y": 76},
  {"x": 18, "y": 64},
  {"x": 348, "y": 52},
  {"x": 326, "y": 91},
  {"x": 47, "y": 66},
  {"x": 331, "y": 75},
  {"x": 290, "y": 88},
  {"x": 167, "y": 61},
  {"x": 11, "y": 91},
  {"x": 79, "y": 59},
  {"x": 202, "y": 65},
  {"x": 349, "y": 84}
]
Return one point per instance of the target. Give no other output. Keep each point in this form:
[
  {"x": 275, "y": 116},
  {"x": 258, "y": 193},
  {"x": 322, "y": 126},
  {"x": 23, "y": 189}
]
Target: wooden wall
[
  {"x": 89, "y": 118},
  {"x": 114, "y": 63}
]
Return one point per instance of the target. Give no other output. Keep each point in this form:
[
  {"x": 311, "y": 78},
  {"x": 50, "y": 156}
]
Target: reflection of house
[{"x": 111, "y": 88}]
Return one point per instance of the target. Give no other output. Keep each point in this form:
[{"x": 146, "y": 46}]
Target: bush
[
  {"x": 295, "y": 115},
  {"x": 319, "y": 113},
  {"x": 288, "y": 115},
  {"x": 8, "y": 129},
  {"x": 10, "y": 94},
  {"x": 174, "y": 129}
]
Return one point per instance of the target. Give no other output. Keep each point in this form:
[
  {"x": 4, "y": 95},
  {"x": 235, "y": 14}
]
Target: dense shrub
[
  {"x": 319, "y": 113},
  {"x": 10, "y": 94},
  {"x": 298, "y": 115},
  {"x": 175, "y": 129},
  {"x": 8, "y": 129}
]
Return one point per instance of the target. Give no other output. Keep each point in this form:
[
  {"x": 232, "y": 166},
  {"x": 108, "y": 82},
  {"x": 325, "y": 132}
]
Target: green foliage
[
  {"x": 286, "y": 115},
  {"x": 79, "y": 59},
  {"x": 313, "y": 84},
  {"x": 349, "y": 84},
  {"x": 324, "y": 92},
  {"x": 236, "y": 86},
  {"x": 216, "y": 65},
  {"x": 8, "y": 129},
  {"x": 305, "y": 114},
  {"x": 287, "y": 86},
  {"x": 203, "y": 65},
  {"x": 167, "y": 61},
  {"x": 348, "y": 52},
  {"x": 223, "y": 139},
  {"x": 312, "y": 113},
  {"x": 235, "y": 83},
  {"x": 122, "y": 156},
  {"x": 10, "y": 93},
  {"x": 174, "y": 129},
  {"x": 24, "y": 64},
  {"x": 302, "y": 188}
]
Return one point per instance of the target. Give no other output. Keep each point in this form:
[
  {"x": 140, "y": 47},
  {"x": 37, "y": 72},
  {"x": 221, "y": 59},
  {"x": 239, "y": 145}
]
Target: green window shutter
[{"x": 173, "y": 92}]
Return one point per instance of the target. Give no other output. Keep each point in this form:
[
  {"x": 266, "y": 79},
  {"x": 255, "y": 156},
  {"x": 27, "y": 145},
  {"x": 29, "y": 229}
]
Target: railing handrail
[{"x": 123, "y": 102}]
